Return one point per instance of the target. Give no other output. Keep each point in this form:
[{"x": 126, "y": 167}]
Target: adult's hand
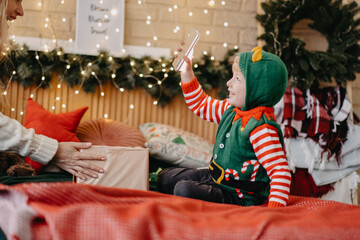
[{"x": 69, "y": 158}]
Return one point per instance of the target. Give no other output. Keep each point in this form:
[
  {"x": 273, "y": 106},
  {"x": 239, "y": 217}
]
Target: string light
[
  {"x": 226, "y": 24},
  {"x": 212, "y": 3}
]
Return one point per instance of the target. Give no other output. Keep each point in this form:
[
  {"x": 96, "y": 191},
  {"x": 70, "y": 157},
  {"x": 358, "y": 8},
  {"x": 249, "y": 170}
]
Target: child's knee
[
  {"x": 184, "y": 188},
  {"x": 163, "y": 182}
]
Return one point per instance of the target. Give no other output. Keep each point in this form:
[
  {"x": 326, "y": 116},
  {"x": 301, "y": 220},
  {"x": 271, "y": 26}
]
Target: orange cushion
[
  {"x": 110, "y": 133},
  {"x": 60, "y": 126}
]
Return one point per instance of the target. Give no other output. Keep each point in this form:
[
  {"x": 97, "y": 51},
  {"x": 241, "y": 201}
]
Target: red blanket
[{"x": 75, "y": 211}]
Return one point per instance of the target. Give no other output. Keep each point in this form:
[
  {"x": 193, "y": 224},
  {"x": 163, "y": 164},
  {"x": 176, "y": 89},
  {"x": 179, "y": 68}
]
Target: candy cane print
[
  {"x": 232, "y": 172},
  {"x": 256, "y": 167},
  {"x": 239, "y": 193}
]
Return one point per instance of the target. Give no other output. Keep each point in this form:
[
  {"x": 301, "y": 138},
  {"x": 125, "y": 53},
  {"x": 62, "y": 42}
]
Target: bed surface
[{"x": 93, "y": 212}]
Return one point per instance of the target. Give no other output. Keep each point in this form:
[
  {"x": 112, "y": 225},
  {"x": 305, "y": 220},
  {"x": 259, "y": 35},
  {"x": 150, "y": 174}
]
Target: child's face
[{"x": 237, "y": 86}]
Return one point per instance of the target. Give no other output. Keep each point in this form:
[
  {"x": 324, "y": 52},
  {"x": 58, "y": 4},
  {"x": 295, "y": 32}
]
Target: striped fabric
[
  {"x": 269, "y": 151},
  {"x": 203, "y": 105}
]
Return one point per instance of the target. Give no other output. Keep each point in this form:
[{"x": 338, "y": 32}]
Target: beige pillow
[{"x": 176, "y": 146}]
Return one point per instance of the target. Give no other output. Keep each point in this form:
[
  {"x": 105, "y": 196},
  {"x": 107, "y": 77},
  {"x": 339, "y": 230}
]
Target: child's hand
[{"x": 186, "y": 72}]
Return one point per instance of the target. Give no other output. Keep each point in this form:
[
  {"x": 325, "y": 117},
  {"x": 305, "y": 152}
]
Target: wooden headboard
[{"x": 114, "y": 103}]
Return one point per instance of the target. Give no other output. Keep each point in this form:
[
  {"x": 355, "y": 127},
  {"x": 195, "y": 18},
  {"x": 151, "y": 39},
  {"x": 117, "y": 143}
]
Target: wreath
[{"x": 332, "y": 19}]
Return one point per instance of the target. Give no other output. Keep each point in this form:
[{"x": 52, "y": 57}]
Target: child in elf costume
[{"x": 248, "y": 166}]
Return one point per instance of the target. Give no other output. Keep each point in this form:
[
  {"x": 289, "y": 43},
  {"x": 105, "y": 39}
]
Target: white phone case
[{"x": 189, "y": 44}]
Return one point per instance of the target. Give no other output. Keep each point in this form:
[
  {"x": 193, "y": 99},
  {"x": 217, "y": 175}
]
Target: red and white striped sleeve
[
  {"x": 201, "y": 104},
  {"x": 270, "y": 153}
]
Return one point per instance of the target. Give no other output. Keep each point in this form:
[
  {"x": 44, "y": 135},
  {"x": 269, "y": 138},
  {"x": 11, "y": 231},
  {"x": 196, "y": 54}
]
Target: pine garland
[
  {"x": 156, "y": 76},
  {"x": 334, "y": 20}
]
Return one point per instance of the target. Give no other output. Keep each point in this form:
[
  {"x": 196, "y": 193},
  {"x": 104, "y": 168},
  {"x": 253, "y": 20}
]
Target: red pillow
[{"x": 60, "y": 126}]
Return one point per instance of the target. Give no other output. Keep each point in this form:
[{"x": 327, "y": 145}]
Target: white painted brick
[
  {"x": 236, "y": 19},
  {"x": 248, "y": 36},
  {"x": 182, "y": 16},
  {"x": 204, "y": 4},
  {"x": 139, "y": 29},
  {"x": 249, "y": 5},
  {"x": 32, "y": 5},
  {"x": 69, "y": 6},
  {"x": 138, "y": 13}
]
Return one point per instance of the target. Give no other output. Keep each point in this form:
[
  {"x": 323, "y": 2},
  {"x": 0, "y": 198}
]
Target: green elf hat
[{"x": 266, "y": 78}]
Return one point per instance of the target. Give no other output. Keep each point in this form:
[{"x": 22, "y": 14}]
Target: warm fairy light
[
  {"x": 106, "y": 37},
  {"x": 139, "y": 2},
  {"x": 117, "y": 30},
  {"x": 196, "y": 65},
  {"x": 102, "y": 94},
  {"x": 57, "y": 98},
  {"x": 155, "y": 102},
  {"x": 43, "y": 78},
  {"x": 31, "y": 95},
  {"x": 212, "y": 58},
  {"x": 82, "y": 72},
  {"x": 70, "y": 40},
  {"x": 132, "y": 106},
  {"x": 223, "y": 3},
  {"x": 64, "y": 19},
  {"x": 46, "y": 19},
  {"x": 77, "y": 92},
  {"x": 148, "y": 22},
  {"x": 14, "y": 72},
  {"x": 63, "y": 106},
  {"x": 123, "y": 50},
  {"x": 132, "y": 63},
  {"x": 226, "y": 24},
  {"x": 141, "y": 75},
  {"x": 225, "y": 45},
  {"x": 58, "y": 53},
  {"x": 114, "y": 11},
  {"x": 172, "y": 69},
  {"x": 53, "y": 107},
  {"x": 5, "y": 93},
  {"x": 170, "y": 9},
  {"x": 110, "y": 58},
  {"x": 46, "y": 25},
  {"x": 163, "y": 70},
  {"x": 97, "y": 45},
  {"x": 90, "y": 64},
  {"x": 155, "y": 38},
  {"x": 113, "y": 75},
  {"x": 121, "y": 89},
  {"x": 212, "y": 3},
  {"x": 93, "y": 73},
  {"x": 99, "y": 24},
  {"x": 148, "y": 44},
  {"x": 166, "y": 75},
  {"x": 62, "y": 1},
  {"x": 205, "y": 52},
  {"x": 190, "y": 14},
  {"x": 151, "y": 69},
  {"x": 106, "y": 116},
  {"x": 39, "y": 4},
  {"x": 148, "y": 17},
  {"x": 59, "y": 85},
  {"x": 207, "y": 32},
  {"x": 163, "y": 65},
  {"x": 150, "y": 86},
  {"x": 67, "y": 66},
  {"x": 236, "y": 47},
  {"x": 21, "y": 113},
  {"x": 13, "y": 109},
  {"x": 106, "y": 16},
  {"x": 159, "y": 82},
  {"x": 206, "y": 11}
]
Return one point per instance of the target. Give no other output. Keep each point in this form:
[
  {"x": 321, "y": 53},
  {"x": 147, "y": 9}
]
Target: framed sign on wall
[{"x": 100, "y": 26}]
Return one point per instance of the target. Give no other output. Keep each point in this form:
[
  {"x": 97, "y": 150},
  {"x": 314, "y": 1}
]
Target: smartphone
[{"x": 189, "y": 44}]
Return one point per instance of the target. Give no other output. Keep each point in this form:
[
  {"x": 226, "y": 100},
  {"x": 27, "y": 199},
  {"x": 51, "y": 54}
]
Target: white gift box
[{"x": 125, "y": 167}]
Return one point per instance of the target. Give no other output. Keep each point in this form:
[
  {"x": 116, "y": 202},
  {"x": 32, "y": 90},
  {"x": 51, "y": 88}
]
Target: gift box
[{"x": 125, "y": 167}]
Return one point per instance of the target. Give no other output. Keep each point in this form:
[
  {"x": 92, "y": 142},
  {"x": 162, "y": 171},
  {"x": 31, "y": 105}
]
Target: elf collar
[{"x": 255, "y": 113}]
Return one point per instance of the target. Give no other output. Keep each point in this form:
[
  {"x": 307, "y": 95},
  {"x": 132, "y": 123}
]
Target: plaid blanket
[{"x": 320, "y": 115}]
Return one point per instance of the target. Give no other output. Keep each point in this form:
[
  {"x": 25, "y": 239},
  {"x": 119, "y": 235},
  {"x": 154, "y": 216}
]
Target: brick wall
[{"x": 239, "y": 14}]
